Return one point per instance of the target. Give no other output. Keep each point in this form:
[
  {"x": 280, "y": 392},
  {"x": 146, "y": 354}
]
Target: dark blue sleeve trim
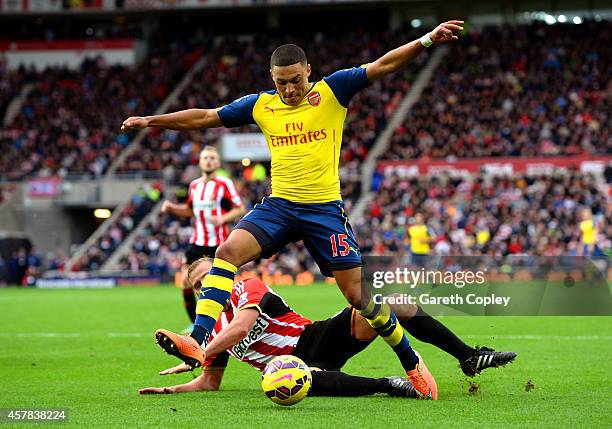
[
  {"x": 346, "y": 83},
  {"x": 239, "y": 112}
]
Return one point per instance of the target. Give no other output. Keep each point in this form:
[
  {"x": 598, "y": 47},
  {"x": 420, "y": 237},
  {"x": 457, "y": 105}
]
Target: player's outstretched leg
[
  {"x": 240, "y": 248},
  {"x": 483, "y": 358},
  {"x": 400, "y": 387},
  {"x": 215, "y": 291},
  {"x": 384, "y": 321},
  {"x": 336, "y": 383},
  {"x": 183, "y": 347},
  {"x": 425, "y": 328}
]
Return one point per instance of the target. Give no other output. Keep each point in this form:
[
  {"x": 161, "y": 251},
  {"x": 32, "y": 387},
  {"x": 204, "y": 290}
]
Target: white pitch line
[
  {"x": 141, "y": 335},
  {"x": 74, "y": 334},
  {"x": 543, "y": 337}
]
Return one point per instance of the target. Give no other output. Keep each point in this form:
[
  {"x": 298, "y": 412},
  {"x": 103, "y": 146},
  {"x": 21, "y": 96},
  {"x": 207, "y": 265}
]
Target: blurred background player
[
  {"x": 420, "y": 237},
  {"x": 588, "y": 232},
  {"x": 213, "y": 203}
]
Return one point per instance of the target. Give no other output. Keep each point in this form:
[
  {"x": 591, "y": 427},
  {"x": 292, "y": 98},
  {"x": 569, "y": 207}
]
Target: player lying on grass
[
  {"x": 324, "y": 383},
  {"x": 350, "y": 334},
  {"x": 303, "y": 123},
  {"x": 257, "y": 325}
]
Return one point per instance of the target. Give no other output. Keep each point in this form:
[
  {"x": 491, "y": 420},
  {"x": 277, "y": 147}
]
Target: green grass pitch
[{"x": 91, "y": 350}]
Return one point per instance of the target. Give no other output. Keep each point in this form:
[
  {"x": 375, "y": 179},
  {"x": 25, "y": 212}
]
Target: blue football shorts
[{"x": 323, "y": 227}]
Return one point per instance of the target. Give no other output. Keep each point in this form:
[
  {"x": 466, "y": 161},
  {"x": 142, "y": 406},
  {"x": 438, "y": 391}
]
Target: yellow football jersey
[
  {"x": 304, "y": 140},
  {"x": 418, "y": 239},
  {"x": 589, "y": 233}
]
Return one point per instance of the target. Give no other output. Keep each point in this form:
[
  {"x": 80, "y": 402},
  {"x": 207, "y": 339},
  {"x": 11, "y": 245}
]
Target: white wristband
[{"x": 426, "y": 40}]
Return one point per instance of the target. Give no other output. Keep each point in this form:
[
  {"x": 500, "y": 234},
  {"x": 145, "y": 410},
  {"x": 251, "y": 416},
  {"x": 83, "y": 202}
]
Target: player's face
[
  {"x": 586, "y": 214},
  {"x": 291, "y": 82},
  {"x": 209, "y": 161}
]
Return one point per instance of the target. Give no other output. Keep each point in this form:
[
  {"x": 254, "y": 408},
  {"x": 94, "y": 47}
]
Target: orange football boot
[
  {"x": 183, "y": 347},
  {"x": 422, "y": 381}
]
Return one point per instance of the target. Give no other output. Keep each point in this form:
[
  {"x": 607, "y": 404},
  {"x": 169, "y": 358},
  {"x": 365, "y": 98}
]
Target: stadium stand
[
  {"x": 379, "y": 235},
  {"x": 515, "y": 91},
  {"x": 140, "y": 205},
  {"x": 68, "y": 123},
  {"x": 486, "y": 100},
  {"x": 11, "y": 82},
  {"x": 73, "y": 29},
  {"x": 488, "y": 215}
]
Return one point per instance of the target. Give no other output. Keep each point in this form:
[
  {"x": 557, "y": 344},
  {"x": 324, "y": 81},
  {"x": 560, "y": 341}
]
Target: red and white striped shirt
[
  {"x": 206, "y": 199},
  {"x": 275, "y": 332}
]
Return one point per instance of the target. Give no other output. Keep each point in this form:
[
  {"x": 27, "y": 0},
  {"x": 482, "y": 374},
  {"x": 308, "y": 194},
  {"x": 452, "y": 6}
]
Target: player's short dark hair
[{"x": 286, "y": 55}]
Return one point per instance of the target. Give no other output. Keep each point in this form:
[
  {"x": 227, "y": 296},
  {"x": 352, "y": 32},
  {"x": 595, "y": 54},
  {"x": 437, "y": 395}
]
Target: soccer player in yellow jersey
[
  {"x": 589, "y": 233},
  {"x": 302, "y": 122},
  {"x": 419, "y": 241}
]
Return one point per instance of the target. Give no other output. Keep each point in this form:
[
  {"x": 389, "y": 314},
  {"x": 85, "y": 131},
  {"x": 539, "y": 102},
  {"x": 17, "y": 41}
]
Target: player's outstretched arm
[
  {"x": 233, "y": 333},
  {"x": 230, "y": 216},
  {"x": 190, "y": 119},
  {"x": 394, "y": 60},
  {"x": 178, "y": 369},
  {"x": 210, "y": 380},
  {"x": 181, "y": 210}
]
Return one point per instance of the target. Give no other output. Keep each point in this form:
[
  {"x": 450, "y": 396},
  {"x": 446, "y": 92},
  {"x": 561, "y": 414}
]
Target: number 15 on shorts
[{"x": 339, "y": 242}]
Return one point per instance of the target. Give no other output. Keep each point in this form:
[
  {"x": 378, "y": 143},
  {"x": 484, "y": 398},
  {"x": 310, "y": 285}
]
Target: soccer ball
[{"x": 286, "y": 380}]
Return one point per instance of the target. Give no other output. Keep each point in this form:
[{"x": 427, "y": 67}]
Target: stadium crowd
[
  {"x": 483, "y": 215},
  {"x": 505, "y": 91},
  {"x": 490, "y": 98},
  {"x": 11, "y": 82},
  {"x": 532, "y": 90},
  {"x": 474, "y": 215},
  {"x": 498, "y": 87},
  {"x": 133, "y": 213},
  {"x": 25, "y": 264},
  {"x": 69, "y": 121}
]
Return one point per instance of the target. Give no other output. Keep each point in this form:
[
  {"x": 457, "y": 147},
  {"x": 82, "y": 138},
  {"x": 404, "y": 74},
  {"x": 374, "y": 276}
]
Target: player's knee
[
  {"x": 224, "y": 252},
  {"x": 352, "y": 293},
  {"x": 349, "y": 282},
  {"x": 365, "y": 334},
  {"x": 362, "y": 330},
  {"x": 240, "y": 248},
  {"x": 229, "y": 253},
  {"x": 353, "y": 297}
]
